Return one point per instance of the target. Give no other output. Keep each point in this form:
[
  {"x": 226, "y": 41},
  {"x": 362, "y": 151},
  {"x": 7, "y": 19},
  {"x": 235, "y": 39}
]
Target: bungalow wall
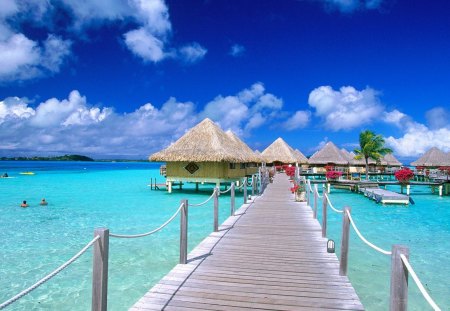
[{"x": 220, "y": 170}]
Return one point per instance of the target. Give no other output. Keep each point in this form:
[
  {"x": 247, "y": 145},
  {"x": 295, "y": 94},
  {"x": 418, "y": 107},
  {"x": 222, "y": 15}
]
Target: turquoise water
[
  {"x": 83, "y": 196},
  {"x": 423, "y": 227}
]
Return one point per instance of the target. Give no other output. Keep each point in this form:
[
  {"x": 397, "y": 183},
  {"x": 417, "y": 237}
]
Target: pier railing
[
  {"x": 100, "y": 242},
  {"x": 400, "y": 265}
]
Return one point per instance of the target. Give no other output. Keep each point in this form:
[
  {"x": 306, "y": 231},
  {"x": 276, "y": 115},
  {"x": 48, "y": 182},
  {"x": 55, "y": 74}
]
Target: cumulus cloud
[
  {"x": 346, "y": 108},
  {"x": 417, "y": 137},
  {"x": 348, "y": 6},
  {"x": 143, "y": 44},
  {"x": 72, "y": 125},
  {"x": 237, "y": 50},
  {"x": 249, "y": 109},
  {"x": 300, "y": 119}
]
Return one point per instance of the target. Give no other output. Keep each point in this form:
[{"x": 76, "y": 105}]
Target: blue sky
[{"x": 123, "y": 79}]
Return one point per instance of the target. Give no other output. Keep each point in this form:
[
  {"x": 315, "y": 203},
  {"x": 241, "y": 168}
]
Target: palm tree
[{"x": 372, "y": 146}]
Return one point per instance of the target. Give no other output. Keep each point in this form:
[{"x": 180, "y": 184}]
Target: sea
[{"x": 83, "y": 196}]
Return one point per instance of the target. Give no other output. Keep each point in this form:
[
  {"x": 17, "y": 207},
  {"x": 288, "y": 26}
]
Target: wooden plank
[{"x": 269, "y": 256}]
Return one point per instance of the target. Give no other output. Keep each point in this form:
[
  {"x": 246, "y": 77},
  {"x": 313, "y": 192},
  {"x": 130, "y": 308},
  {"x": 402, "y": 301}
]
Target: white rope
[
  {"x": 48, "y": 276},
  {"x": 364, "y": 239},
  {"x": 223, "y": 192},
  {"x": 331, "y": 205},
  {"x": 204, "y": 202},
  {"x": 150, "y": 232},
  {"x": 419, "y": 284}
]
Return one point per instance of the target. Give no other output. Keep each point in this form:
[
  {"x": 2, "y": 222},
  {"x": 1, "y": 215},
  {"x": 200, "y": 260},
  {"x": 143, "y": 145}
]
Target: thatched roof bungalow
[
  {"x": 204, "y": 154},
  {"x": 279, "y": 152},
  {"x": 433, "y": 158},
  {"x": 253, "y": 157},
  {"x": 328, "y": 155},
  {"x": 390, "y": 160}
]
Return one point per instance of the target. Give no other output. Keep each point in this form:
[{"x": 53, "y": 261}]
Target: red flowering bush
[
  {"x": 329, "y": 168},
  {"x": 290, "y": 171},
  {"x": 295, "y": 188},
  {"x": 278, "y": 168},
  {"x": 404, "y": 175},
  {"x": 333, "y": 174},
  {"x": 298, "y": 188}
]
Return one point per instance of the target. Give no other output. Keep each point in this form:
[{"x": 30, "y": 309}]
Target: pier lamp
[{"x": 330, "y": 246}]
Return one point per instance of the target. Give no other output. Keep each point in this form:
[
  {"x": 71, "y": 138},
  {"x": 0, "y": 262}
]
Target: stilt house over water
[
  {"x": 433, "y": 158},
  {"x": 279, "y": 152},
  {"x": 205, "y": 154},
  {"x": 328, "y": 155}
]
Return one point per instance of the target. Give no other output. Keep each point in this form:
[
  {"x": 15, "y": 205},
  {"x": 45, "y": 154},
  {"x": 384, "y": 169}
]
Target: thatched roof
[
  {"x": 390, "y": 160},
  {"x": 328, "y": 154},
  {"x": 279, "y": 151},
  {"x": 300, "y": 156},
  {"x": 433, "y": 157},
  {"x": 205, "y": 142},
  {"x": 253, "y": 156},
  {"x": 350, "y": 156}
]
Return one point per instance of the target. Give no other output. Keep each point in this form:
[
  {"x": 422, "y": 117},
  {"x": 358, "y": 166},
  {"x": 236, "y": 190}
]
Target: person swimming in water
[
  {"x": 43, "y": 202},
  {"x": 24, "y": 204}
]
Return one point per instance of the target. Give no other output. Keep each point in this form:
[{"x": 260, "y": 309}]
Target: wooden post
[
  {"x": 232, "y": 199},
  {"x": 196, "y": 187},
  {"x": 344, "y": 241},
  {"x": 440, "y": 190},
  {"x": 100, "y": 270},
  {"x": 315, "y": 201},
  {"x": 183, "y": 232},
  {"x": 216, "y": 209},
  {"x": 328, "y": 187},
  {"x": 324, "y": 216},
  {"x": 245, "y": 190},
  {"x": 399, "y": 279},
  {"x": 253, "y": 185},
  {"x": 408, "y": 189},
  {"x": 170, "y": 187}
]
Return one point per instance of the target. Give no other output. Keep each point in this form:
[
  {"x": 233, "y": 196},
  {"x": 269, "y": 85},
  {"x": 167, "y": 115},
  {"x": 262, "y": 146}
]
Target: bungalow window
[
  {"x": 242, "y": 166},
  {"x": 232, "y": 166}
]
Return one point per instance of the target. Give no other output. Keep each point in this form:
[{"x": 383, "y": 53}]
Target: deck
[
  {"x": 270, "y": 256},
  {"x": 385, "y": 196}
]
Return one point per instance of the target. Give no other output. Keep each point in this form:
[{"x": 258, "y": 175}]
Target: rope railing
[
  {"x": 242, "y": 185},
  {"x": 206, "y": 201},
  {"x": 150, "y": 232},
  {"x": 364, "y": 239},
  {"x": 223, "y": 192},
  {"x": 419, "y": 284},
  {"x": 48, "y": 276},
  {"x": 331, "y": 205}
]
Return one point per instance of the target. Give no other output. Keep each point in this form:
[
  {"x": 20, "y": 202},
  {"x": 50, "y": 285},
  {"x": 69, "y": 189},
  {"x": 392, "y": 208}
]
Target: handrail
[
  {"x": 419, "y": 284},
  {"x": 223, "y": 192},
  {"x": 364, "y": 239},
  {"x": 207, "y": 200},
  {"x": 150, "y": 232},
  {"x": 331, "y": 205},
  {"x": 49, "y": 276}
]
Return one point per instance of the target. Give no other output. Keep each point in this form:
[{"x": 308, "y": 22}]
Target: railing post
[
  {"x": 399, "y": 279},
  {"x": 183, "y": 232},
  {"x": 100, "y": 270},
  {"x": 216, "y": 209},
  {"x": 315, "y": 201},
  {"x": 344, "y": 241},
  {"x": 232, "y": 199},
  {"x": 253, "y": 185},
  {"x": 245, "y": 190},
  {"x": 324, "y": 216}
]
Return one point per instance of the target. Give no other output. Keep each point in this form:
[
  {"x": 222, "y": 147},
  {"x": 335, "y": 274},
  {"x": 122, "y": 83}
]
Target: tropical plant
[
  {"x": 371, "y": 146},
  {"x": 290, "y": 171},
  {"x": 333, "y": 175},
  {"x": 404, "y": 175}
]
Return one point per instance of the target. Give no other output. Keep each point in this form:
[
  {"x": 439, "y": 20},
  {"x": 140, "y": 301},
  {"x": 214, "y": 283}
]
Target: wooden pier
[
  {"x": 385, "y": 196},
  {"x": 269, "y": 256}
]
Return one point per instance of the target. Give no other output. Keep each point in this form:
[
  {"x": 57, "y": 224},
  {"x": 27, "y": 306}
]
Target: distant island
[{"x": 67, "y": 157}]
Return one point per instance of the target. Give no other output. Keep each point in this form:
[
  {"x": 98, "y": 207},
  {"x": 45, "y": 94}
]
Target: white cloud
[
  {"x": 348, "y": 6},
  {"x": 395, "y": 117},
  {"x": 237, "y": 50},
  {"x": 72, "y": 125},
  {"x": 438, "y": 117},
  {"x": 418, "y": 138},
  {"x": 145, "y": 45},
  {"x": 249, "y": 109},
  {"x": 192, "y": 53},
  {"x": 300, "y": 119},
  {"x": 347, "y": 108}
]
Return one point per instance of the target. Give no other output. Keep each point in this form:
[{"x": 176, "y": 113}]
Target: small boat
[{"x": 26, "y": 173}]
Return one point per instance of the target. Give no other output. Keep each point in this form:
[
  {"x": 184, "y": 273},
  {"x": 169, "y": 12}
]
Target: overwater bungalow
[
  {"x": 329, "y": 155},
  {"x": 255, "y": 158},
  {"x": 433, "y": 158},
  {"x": 279, "y": 152},
  {"x": 205, "y": 154},
  {"x": 389, "y": 163}
]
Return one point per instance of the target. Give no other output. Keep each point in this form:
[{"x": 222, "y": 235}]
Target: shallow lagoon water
[{"x": 83, "y": 196}]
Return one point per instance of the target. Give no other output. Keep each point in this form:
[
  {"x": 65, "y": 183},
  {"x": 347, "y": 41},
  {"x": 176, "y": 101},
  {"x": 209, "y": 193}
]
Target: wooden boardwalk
[{"x": 270, "y": 256}]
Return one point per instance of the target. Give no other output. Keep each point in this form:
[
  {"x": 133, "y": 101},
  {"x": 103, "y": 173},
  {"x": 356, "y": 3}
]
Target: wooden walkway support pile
[{"x": 269, "y": 256}]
